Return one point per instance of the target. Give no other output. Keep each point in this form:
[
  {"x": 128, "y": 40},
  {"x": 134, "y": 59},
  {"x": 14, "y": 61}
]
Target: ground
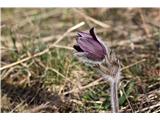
[{"x": 40, "y": 74}]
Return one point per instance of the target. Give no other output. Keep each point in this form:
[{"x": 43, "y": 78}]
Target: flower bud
[{"x": 89, "y": 46}]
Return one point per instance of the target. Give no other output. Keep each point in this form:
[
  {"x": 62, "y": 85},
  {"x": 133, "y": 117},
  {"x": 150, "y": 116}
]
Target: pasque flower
[
  {"x": 92, "y": 50},
  {"x": 90, "y": 46}
]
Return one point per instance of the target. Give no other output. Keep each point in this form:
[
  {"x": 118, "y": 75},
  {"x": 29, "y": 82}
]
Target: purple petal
[
  {"x": 96, "y": 39},
  {"x": 91, "y": 31},
  {"x": 78, "y": 48},
  {"x": 93, "y": 48}
]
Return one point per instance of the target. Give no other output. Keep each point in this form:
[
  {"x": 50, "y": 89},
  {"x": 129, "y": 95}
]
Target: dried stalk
[
  {"x": 46, "y": 50},
  {"x": 102, "y": 24}
]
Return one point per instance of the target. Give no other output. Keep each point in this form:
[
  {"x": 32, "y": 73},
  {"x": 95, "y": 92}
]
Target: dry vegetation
[{"x": 45, "y": 77}]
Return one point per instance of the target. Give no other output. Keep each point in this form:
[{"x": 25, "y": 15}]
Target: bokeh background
[{"x": 40, "y": 74}]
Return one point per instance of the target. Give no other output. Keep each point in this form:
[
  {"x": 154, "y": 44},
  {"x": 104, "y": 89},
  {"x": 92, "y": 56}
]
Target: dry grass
[{"x": 40, "y": 74}]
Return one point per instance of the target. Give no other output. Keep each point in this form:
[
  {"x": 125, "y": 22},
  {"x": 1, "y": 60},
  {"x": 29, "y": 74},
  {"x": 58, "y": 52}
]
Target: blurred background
[{"x": 40, "y": 74}]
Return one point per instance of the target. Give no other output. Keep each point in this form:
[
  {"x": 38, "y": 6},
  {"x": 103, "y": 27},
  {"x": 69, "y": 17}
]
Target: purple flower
[
  {"x": 89, "y": 46},
  {"x": 91, "y": 50}
]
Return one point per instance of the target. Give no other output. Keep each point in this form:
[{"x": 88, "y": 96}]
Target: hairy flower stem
[
  {"x": 114, "y": 97},
  {"x": 114, "y": 82}
]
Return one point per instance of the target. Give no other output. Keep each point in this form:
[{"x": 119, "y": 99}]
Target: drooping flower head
[
  {"x": 90, "y": 46},
  {"x": 92, "y": 51}
]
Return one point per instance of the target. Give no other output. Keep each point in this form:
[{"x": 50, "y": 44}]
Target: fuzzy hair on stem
[{"x": 111, "y": 73}]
